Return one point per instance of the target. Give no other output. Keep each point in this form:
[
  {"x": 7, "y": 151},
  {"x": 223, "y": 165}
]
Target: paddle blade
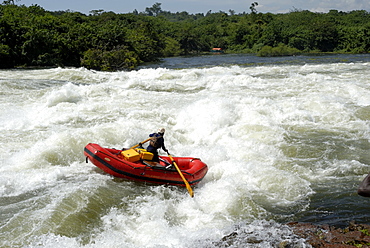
[{"x": 190, "y": 190}]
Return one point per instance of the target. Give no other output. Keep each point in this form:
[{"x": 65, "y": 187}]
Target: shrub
[
  {"x": 280, "y": 50},
  {"x": 116, "y": 59}
]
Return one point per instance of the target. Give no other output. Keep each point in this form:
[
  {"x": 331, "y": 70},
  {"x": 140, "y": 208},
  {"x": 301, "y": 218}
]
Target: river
[{"x": 285, "y": 139}]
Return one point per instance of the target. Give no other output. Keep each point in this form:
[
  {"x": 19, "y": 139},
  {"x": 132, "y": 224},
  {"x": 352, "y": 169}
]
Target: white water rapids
[{"x": 283, "y": 142}]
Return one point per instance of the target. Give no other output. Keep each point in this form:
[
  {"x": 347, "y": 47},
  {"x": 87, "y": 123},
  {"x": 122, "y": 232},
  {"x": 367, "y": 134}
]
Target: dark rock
[
  {"x": 364, "y": 188},
  {"x": 355, "y": 235}
]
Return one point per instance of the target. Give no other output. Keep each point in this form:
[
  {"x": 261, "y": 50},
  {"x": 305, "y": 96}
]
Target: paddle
[
  {"x": 191, "y": 193},
  {"x": 140, "y": 143}
]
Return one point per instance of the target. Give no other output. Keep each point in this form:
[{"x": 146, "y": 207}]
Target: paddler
[{"x": 156, "y": 142}]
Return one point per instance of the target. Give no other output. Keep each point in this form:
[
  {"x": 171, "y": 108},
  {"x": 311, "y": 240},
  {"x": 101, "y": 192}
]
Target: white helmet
[{"x": 161, "y": 130}]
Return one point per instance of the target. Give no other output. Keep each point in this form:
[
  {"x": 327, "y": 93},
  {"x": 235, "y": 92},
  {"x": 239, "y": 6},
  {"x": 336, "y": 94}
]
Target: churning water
[{"x": 285, "y": 139}]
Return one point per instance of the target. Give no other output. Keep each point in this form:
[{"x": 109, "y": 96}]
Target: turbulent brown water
[{"x": 285, "y": 139}]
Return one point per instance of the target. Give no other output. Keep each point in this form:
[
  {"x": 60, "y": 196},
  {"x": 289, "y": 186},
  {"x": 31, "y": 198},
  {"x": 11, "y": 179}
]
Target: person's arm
[{"x": 163, "y": 147}]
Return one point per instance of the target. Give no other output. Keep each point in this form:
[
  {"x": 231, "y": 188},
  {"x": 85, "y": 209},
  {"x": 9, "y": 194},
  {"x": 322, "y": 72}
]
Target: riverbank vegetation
[{"x": 33, "y": 36}]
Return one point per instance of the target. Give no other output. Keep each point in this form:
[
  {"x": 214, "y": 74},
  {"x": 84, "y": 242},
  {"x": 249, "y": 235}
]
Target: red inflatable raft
[{"x": 135, "y": 164}]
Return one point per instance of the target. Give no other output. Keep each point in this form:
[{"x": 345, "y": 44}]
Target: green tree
[
  {"x": 108, "y": 41},
  {"x": 118, "y": 58},
  {"x": 253, "y": 7},
  {"x": 11, "y": 1},
  {"x": 155, "y": 10},
  {"x": 145, "y": 41}
]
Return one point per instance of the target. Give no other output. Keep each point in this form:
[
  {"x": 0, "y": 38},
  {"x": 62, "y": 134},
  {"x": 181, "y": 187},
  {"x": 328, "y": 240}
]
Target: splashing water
[{"x": 283, "y": 142}]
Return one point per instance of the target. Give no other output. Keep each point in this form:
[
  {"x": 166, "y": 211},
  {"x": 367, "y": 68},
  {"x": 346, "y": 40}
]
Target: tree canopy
[{"x": 32, "y": 36}]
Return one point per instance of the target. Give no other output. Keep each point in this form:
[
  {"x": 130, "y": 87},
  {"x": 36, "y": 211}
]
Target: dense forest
[{"x": 33, "y": 36}]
